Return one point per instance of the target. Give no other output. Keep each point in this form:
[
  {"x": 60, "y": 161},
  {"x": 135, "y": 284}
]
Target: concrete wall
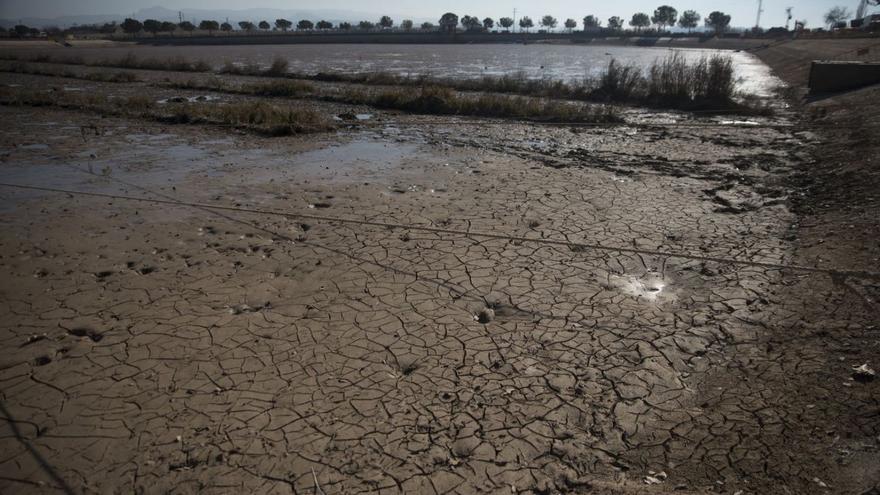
[{"x": 829, "y": 76}]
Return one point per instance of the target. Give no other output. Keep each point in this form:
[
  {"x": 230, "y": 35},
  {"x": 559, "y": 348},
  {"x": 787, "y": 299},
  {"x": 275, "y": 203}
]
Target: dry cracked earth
[{"x": 161, "y": 348}]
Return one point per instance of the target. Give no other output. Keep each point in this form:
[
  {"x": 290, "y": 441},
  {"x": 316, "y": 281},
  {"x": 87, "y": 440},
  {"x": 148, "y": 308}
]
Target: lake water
[{"x": 566, "y": 62}]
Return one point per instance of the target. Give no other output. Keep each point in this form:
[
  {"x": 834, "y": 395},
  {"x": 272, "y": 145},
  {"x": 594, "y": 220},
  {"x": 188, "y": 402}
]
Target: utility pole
[
  {"x": 862, "y": 10},
  {"x": 179, "y": 16},
  {"x": 760, "y": 11}
]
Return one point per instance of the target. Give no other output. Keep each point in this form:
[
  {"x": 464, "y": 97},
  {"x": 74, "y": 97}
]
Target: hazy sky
[{"x": 743, "y": 11}]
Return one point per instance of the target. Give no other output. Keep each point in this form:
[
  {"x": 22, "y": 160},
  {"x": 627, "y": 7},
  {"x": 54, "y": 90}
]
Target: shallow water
[{"x": 566, "y": 62}]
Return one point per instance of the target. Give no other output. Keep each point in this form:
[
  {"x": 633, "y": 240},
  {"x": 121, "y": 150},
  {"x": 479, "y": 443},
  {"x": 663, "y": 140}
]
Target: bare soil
[{"x": 451, "y": 306}]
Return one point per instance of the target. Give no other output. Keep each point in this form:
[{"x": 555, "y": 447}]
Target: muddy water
[{"x": 566, "y": 62}]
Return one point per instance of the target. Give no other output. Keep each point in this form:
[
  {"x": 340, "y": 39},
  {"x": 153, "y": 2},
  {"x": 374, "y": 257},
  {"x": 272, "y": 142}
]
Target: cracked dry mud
[{"x": 156, "y": 348}]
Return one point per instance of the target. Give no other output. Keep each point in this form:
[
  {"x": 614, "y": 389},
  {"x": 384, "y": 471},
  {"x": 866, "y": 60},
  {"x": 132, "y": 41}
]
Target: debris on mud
[
  {"x": 863, "y": 373},
  {"x": 485, "y": 315},
  {"x": 655, "y": 478},
  {"x": 34, "y": 338}
]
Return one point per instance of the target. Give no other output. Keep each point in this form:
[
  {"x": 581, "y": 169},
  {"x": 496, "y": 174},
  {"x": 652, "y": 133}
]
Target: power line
[{"x": 465, "y": 233}]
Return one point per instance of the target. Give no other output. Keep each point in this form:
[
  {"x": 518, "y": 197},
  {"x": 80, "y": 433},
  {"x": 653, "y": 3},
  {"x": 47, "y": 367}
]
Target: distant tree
[
  {"x": 427, "y": 26},
  {"x": 167, "y": 27},
  {"x": 246, "y": 25},
  {"x": 591, "y": 22},
  {"x": 719, "y": 21},
  {"x": 505, "y": 22},
  {"x": 570, "y": 24},
  {"x": 344, "y": 26},
  {"x": 386, "y": 22},
  {"x": 324, "y": 25},
  {"x": 283, "y": 24},
  {"x": 689, "y": 19},
  {"x": 209, "y": 26},
  {"x": 665, "y": 16},
  {"x": 526, "y": 23},
  {"x": 305, "y": 25},
  {"x": 471, "y": 23},
  {"x": 615, "y": 23},
  {"x": 226, "y": 27},
  {"x": 187, "y": 26},
  {"x": 836, "y": 16},
  {"x": 549, "y": 22},
  {"x": 448, "y": 22},
  {"x": 132, "y": 26},
  {"x": 406, "y": 24},
  {"x": 152, "y": 26},
  {"x": 109, "y": 28},
  {"x": 488, "y": 23},
  {"x": 366, "y": 25},
  {"x": 264, "y": 25},
  {"x": 21, "y": 30},
  {"x": 640, "y": 21}
]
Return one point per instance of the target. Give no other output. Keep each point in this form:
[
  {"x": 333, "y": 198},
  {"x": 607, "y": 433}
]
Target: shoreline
[{"x": 415, "y": 39}]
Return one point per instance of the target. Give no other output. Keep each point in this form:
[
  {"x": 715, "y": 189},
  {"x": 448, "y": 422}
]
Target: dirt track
[{"x": 154, "y": 348}]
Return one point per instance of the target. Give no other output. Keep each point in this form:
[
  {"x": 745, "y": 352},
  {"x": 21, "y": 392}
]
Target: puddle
[
  {"x": 174, "y": 164},
  {"x": 364, "y": 157},
  {"x": 739, "y": 122},
  {"x": 139, "y": 138},
  {"x": 37, "y": 146},
  {"x": 151, "y": 167},
  {"x": 188, "y": 99}
]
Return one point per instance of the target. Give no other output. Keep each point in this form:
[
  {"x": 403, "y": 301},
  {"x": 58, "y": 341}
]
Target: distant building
[{"x": 868, "y": 23}]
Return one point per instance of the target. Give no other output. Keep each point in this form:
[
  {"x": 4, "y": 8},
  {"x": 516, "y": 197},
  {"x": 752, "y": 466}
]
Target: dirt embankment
[
  {"x": 836, "y": 199},
  {"x": 839, "y": 189}
]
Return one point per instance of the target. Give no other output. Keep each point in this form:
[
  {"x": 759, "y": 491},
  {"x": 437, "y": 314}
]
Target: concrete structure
[{"x": 830, "y": 76}]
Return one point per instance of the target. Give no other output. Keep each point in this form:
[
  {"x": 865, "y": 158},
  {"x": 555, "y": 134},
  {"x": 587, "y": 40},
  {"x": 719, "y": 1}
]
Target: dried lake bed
[{"x": 419, "y": 304}]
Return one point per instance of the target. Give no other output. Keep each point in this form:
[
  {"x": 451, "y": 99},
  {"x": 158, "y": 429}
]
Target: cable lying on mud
[{"x": 465, "y": 233}]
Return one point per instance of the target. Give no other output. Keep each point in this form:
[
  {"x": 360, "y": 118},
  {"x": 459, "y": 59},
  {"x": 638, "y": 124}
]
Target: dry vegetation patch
[{"x": 260, "y": 117}]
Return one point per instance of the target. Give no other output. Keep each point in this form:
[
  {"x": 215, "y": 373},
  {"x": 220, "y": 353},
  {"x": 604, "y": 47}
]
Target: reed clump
[{"x": 439, "y": 100}]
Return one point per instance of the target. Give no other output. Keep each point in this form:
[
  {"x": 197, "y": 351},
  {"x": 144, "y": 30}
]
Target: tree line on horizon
[{"x": 664, "y": 17}]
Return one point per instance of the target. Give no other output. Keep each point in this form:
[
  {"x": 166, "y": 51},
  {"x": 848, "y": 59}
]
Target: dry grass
[
  {"x": 281, "y": 89},
  {"x": 277, "y": 69},
  {"x": 260, "y": 117},
  {"x": 289, "y": 89},
  {"x": 129, "y": 61},
  {"x": 674, "y": 82},
  {"x": 438, "y": 100},
  {"x": 99, "y": 76}
]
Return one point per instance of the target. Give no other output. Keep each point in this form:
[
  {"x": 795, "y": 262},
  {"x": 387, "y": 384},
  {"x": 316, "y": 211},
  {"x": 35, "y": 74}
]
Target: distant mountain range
[{"x": 234, "y": 16}]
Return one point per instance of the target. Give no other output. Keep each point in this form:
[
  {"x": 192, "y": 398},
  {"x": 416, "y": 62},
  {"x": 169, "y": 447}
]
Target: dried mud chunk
[
  {"x": 863, "y": 373},
  {"x": 86, "y": 332},
  {"x": 42, "y": 360},
  {"x": 485, "y": 315}
]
